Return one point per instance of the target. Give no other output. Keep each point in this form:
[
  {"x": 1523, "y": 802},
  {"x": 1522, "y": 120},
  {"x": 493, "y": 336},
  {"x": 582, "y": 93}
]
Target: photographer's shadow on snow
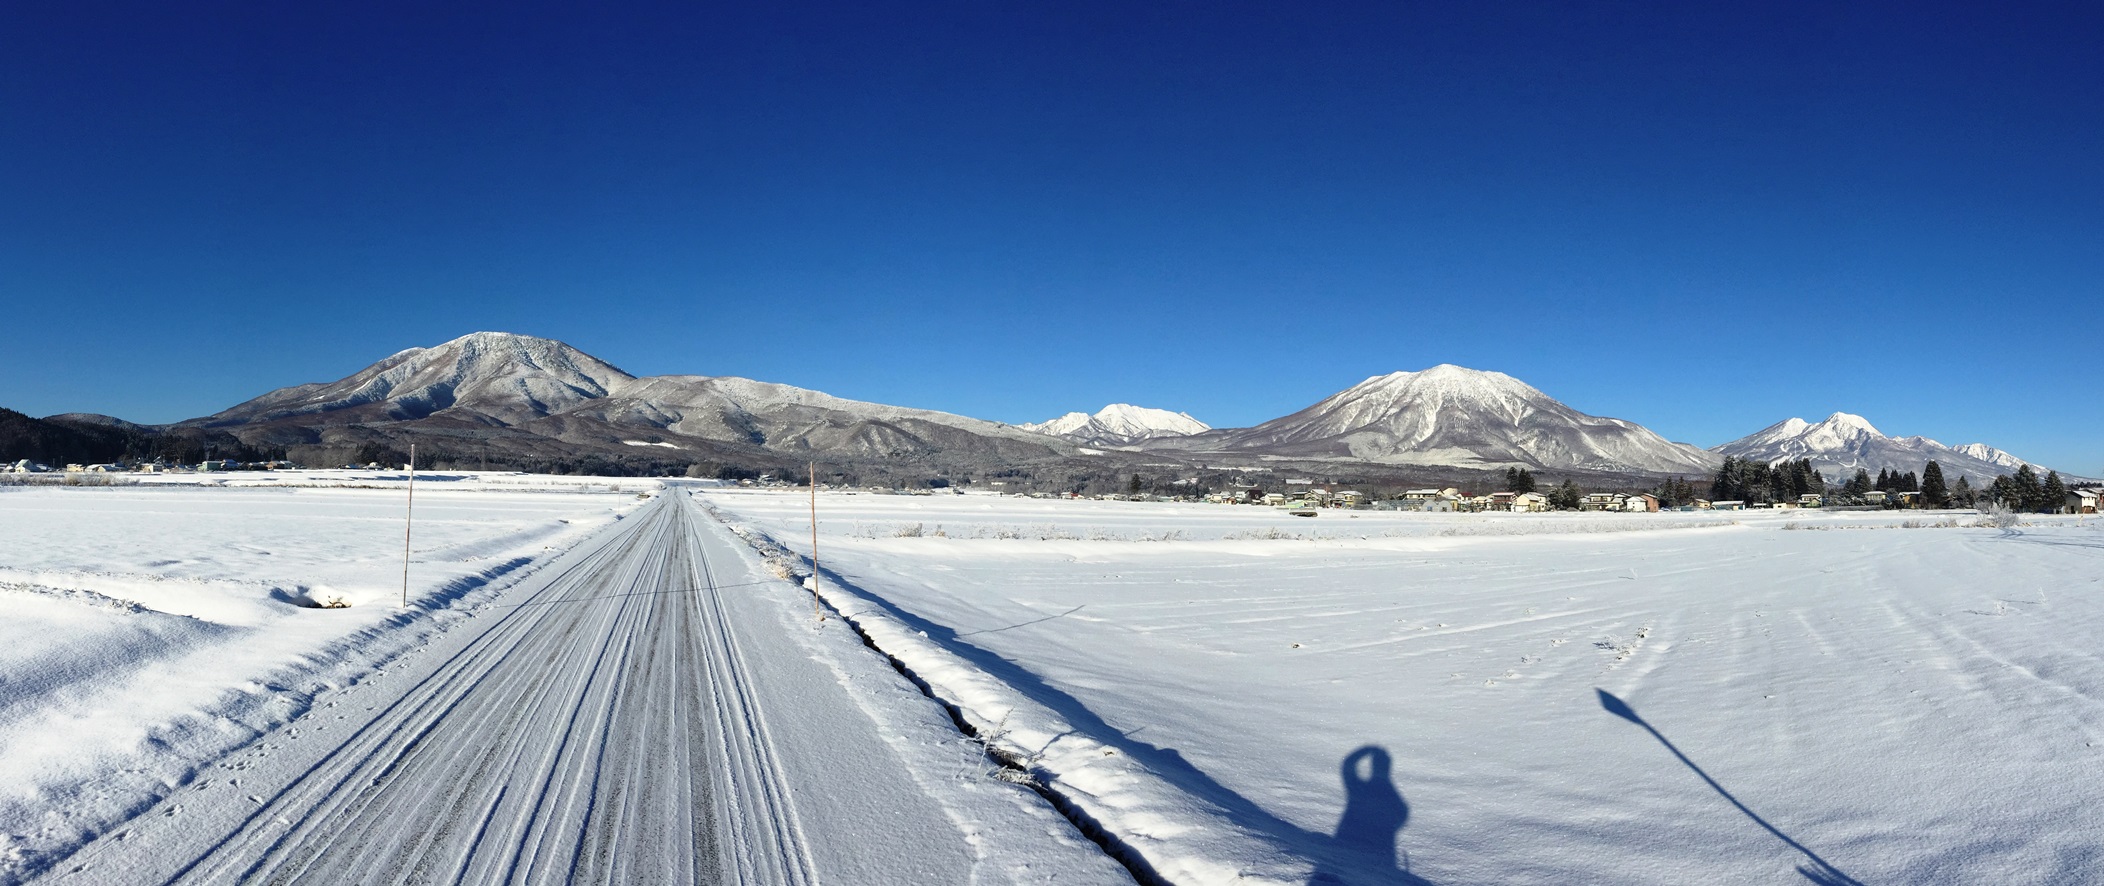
[{"x": 1363, "y": 850}]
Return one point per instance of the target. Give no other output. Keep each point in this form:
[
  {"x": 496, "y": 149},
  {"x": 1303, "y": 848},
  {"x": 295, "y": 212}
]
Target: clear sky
[{"x": 1701, "y": 217}]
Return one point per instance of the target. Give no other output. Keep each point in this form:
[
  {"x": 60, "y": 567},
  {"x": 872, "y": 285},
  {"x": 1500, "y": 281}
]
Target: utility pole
[
  {"x": 815, "y": 609},
  {"x": 408, "y": 520}
]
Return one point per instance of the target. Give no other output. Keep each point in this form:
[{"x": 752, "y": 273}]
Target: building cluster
[
  {"x": 1451, "y": 500},
  {"x": 25, "y": 466}
]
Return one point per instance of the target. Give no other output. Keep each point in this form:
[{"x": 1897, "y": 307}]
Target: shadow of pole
[
  {"x": 1374, "y": 815},
  {"x": 1820, "y": 871}
]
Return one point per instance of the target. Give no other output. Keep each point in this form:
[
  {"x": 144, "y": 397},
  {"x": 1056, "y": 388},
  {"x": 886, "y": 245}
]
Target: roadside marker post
[
  {"x": 408, "y": 520},
  {"x": 815, "y": 609}
]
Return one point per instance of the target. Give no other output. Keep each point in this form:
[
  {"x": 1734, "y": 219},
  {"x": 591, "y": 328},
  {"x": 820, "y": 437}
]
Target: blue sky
[{"x": 1698, "y": 217}]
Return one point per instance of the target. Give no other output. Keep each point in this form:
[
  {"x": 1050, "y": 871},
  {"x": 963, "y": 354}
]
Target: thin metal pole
[
  {"x": 408, "y": 519},
  {"x": 815, "y": 609}
]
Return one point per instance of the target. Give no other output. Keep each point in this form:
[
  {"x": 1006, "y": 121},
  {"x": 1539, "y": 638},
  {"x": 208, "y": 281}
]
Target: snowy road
[{"x": 610, "y": 724}]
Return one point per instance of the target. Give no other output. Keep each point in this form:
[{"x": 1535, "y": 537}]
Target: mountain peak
[
  {"x": 1457, "y": 379},
  {"x": 1119, "y": 424},
  {"x": 1454, "y": 416},
  {"x": 500, "y": 376},
  {"x": 1850, "y": 421}
]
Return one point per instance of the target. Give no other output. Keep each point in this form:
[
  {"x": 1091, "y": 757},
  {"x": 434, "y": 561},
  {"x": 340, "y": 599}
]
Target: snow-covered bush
[{"x": 1999, "y": 516}]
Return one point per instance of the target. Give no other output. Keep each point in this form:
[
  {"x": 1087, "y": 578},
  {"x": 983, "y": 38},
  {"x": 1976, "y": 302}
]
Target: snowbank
[{"x": 1666, "y": 698}]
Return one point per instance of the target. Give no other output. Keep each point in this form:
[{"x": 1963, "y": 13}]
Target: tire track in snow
[{"x": 603, "y": 730}]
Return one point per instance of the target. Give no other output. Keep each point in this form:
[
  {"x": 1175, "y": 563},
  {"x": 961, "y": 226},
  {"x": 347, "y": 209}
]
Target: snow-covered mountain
[
  {"x": 485, "y": 377},
  {"x": 1845, "y": 443},
  {"x": 539, "y": 395},
  {"x": 1452, "y": 416},
  {"x": 1119, "y": 424},
  {"x": 97, "y": 420},
  {"x": 1992, "y": 456},
  {"x": 782, "y": 418}
]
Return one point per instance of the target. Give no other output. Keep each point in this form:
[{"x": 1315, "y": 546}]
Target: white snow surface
[
  {"x": 1119, "y": 424},
  {"x": 1238, "y": 695},
  {"x": 1844, "y": 443},
  {"x": 166, "y": 693}
]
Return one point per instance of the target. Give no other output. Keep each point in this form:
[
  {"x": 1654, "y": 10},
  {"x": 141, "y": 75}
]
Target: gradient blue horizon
[{"x": 1699, "y": 218}]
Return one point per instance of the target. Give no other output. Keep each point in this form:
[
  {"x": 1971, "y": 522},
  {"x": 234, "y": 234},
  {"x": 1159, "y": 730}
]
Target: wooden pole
[
  {"x": 815, "y": 609},
  {"x": 408, "y": 519}
]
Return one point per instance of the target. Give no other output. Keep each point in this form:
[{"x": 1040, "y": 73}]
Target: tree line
[{"x": 1757, "y": 482}]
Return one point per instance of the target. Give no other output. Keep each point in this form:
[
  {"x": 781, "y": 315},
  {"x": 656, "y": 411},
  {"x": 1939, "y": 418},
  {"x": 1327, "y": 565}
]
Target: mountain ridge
[
  {"x": 1844, "y": 443},
  {"x": 1453, "y": 416},
  {"x": 554, "y": 404},
  {"x": 1119, "y": 424}
]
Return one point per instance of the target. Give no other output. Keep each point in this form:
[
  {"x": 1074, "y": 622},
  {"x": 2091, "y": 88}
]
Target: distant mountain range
[
  {"x": 1844, "y": 444},
  {"x": 1450, "y": 416},
  {"x": 540, "y": 398},
  {"x": 532, "y": 402},
  {"x": 1119, "y": 424}
]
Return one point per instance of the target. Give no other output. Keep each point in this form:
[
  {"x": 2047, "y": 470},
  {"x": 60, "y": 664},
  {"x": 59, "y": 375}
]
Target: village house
[
  {"x": 2083, "y": 501},
  {"x": 1530, "y": 503},
  {"x": 1604, "y": 501},
  {"x": 1642, "y": 501},
  {"x": 1447, "y": 499}
]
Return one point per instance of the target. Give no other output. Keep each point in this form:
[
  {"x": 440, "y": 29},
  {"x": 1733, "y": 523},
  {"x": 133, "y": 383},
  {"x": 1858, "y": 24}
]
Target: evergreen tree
[
  {"x": 1962, "y": 494},
  {"x": 2053, "y": 497},
  {"x": 1933, "y": 493},
  {"x": 1134, "y": 486},
  {"x": 1518, "y": 480},
  {"x": 1674, "y": 493},
  {"x": 1566, "y": 496},
  {"x": 2025, "y": 491},
  {"x": 1804, "y": 480},
  {"x": 1779, "y": 486},
  {"x": 1857, "y": 485},
  {"x": 1756, "y": 479},
  {"x": 1910, "y": 483},
  {"x": 1723, "y": 487},
  {"x": 1884, "y": 483},
  {"x": 2003, "y": 492}
]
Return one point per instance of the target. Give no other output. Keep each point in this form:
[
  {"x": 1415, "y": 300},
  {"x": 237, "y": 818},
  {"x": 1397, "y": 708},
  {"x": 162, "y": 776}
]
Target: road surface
[{"x": 623, "y": 717}]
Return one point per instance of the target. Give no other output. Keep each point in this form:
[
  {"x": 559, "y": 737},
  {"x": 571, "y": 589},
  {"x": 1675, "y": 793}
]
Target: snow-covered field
[
  {"x": 592, "y": 682},
  {"x": 1225, "y": 691},
  {"x": 149, "y": 627},
  {"x": 1463, "y": 699}
]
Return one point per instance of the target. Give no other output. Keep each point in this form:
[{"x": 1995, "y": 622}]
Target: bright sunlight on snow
[{"x": 1630, "y": 698}]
